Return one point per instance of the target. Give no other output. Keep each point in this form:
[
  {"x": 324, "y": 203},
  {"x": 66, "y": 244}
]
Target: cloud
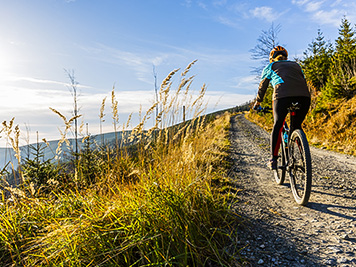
[
  {"x": 219, "y": 2},
  {"x": 187, "y": 3},
  {"x": 44, "y": 82},
  {"x": 264, "y": 12},
  {"x": 140, "y": 62},
  {"x": 25, "y": 95},
  {"x": 300, "y": 2},
  {"x": 325, "y": 12},
  {"x": 228, "y": 22},
  {"x": 221, "y": 100},
  {"x": 313, "y": 6},
  {"x": 245, "y": 83},
  {"x": 328, "y": 17},
  {"x": 336, "y": 3},
  {"x": 31, "y": 99},
  {"x": 202, "y": 5},
  {"x": 35, "y": 80}
]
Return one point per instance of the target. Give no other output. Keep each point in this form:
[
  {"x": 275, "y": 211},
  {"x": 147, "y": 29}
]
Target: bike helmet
[{"x": 276, "y": 51}]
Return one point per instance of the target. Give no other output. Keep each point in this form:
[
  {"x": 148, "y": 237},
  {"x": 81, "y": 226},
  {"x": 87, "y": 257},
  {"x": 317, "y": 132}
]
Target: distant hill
[{"x": 8, "y": 154}]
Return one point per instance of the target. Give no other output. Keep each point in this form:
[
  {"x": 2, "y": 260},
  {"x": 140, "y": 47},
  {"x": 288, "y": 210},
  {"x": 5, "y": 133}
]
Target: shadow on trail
[
  {"x": 331, "y": 194},
  {"x": 244, "y": 154},
  {"x": 264, "y": 245},
  {"x": 325, "y": 208}
]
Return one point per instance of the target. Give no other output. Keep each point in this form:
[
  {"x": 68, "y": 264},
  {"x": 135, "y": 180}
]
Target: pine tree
[
  {"x": 317, "y": 61},
  {"x": 345, "y": 43},
  {"x": 341, "y": 83},
  {"x": 38, "y": 170}
]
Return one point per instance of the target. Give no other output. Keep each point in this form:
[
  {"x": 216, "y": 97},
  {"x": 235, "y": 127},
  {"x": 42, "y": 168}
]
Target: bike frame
[{"x": 289, "y": 131}]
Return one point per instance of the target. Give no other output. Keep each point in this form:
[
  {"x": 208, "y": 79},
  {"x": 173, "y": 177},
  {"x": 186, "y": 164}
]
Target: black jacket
[{"x": 287, "y": 79}]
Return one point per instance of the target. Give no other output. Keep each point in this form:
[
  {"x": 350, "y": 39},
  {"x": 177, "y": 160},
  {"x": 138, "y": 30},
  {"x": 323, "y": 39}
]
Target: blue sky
[{"x": 109, "y": 42}]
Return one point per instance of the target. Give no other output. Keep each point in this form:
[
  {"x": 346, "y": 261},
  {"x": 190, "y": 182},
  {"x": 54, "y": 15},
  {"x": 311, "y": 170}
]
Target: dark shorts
[{"x": 280, "y": 111}]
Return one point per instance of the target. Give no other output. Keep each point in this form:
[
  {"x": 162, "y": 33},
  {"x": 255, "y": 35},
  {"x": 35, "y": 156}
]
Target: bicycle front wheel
[{"x": 300, "y": 169}]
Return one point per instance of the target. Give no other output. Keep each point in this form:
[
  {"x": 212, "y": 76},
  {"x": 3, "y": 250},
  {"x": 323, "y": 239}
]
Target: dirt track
[{"x": 276, "y": 230}]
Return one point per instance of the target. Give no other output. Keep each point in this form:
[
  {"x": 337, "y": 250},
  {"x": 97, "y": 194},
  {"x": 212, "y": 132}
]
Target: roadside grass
[
  {"x": 165, "y": 200},
  {"x": 265, "y": 120},
  {"x": 335, "y": 127}
]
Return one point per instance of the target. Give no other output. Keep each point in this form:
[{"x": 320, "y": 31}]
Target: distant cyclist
[{"x": 289, "y": 86}]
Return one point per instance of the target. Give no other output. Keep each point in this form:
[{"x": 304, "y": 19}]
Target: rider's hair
[{"x": 280, "y": 57}]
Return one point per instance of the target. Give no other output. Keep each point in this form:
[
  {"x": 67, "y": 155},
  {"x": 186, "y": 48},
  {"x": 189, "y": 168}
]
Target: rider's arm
[
  {"x": 256, "y": 106},
  {"x": 265, "y": 79},
  {"x": 262, "y": 88}
]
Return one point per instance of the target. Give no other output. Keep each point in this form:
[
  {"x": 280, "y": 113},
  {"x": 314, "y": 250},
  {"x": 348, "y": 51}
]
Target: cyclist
[{"x": 289, "y": 86}]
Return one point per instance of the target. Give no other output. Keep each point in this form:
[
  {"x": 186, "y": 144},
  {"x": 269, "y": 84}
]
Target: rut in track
[{"x": 278, "y": 232}]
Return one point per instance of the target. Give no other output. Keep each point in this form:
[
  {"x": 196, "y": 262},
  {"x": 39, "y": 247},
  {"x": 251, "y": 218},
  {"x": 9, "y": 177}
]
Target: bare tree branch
[{"x": 265, "y": 43}]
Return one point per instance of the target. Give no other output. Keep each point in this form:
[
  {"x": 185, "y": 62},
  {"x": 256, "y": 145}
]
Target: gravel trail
[{"x": 279, "y": 232}]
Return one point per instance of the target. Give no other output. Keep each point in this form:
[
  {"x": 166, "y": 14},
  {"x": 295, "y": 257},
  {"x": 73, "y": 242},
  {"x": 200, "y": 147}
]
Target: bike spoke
[
  {"x": 279, "y": 173},
  {"x": 299, "y": 168}
]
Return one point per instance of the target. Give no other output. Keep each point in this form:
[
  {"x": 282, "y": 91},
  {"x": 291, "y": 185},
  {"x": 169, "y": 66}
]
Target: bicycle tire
[
  {"x": 300, "y": 168},
  {"x": 280, "y": 172}
]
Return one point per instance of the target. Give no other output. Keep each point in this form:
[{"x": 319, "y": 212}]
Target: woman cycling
[{"x": 289, "y": 86}]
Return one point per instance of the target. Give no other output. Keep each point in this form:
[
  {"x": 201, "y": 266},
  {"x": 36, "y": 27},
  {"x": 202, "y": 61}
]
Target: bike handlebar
[{"x": 263, "y": 109}]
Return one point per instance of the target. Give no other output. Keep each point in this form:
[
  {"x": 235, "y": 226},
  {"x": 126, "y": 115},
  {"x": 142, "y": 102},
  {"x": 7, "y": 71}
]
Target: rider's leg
[
  {"x": 280, "y": 111},
  {"x": 304, "y": 104}
]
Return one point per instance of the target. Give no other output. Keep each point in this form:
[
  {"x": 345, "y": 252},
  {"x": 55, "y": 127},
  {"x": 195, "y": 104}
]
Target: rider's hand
[{"x": 256, "y": 105}]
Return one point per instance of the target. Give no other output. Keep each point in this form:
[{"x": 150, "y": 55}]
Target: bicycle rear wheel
[
  {"x": 280, "y": 172},
  {"x": 300, "y": 169}
]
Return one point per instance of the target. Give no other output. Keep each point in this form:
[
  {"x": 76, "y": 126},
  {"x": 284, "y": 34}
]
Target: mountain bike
[{"x": 294, "y": 158}]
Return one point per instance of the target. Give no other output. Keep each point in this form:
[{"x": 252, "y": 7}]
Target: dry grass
[
  {"x": 265, "y": 121},
  {"x": 67, "y": 128},
  {"x": 12, "y": 133},
  {"x": 335, "y": 129}
]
